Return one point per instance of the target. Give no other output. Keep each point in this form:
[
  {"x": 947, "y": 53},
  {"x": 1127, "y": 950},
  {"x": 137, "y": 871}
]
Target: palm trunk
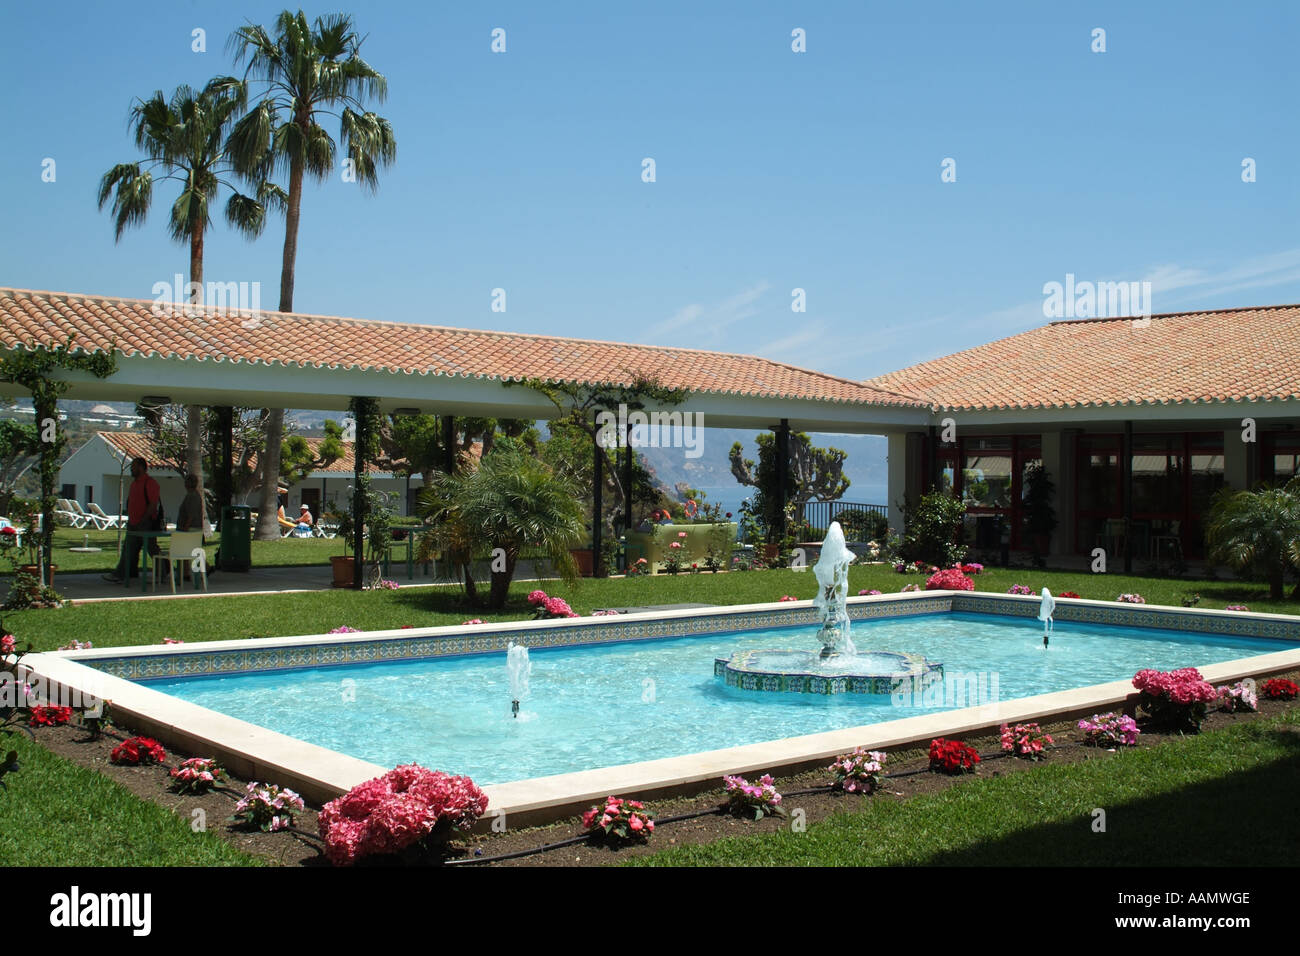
[
  {"x": 1275, "y": 585},
  {"x": 194, "y": 413},
  {"x": 268, "y": 528},
  {"x": 500, "y": 587}
]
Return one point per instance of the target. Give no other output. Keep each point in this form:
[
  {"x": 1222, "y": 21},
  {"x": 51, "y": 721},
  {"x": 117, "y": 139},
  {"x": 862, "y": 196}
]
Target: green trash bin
[{"x": 236, "y": 552}]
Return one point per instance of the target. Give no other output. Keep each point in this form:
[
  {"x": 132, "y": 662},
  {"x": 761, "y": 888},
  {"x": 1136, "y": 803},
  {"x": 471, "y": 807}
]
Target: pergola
[{"x": 220, "y": 358}]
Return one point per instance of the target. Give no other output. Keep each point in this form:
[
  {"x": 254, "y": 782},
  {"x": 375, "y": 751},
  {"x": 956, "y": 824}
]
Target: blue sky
[{"x": 774, "y": 170}]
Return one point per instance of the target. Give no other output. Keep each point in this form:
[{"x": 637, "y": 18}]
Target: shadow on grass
[{"x": 1246, "y": 819}]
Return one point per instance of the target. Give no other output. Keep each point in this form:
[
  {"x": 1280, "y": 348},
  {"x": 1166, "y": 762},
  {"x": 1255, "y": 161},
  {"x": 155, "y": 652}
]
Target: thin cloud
[{"x": 709, "y": 322}]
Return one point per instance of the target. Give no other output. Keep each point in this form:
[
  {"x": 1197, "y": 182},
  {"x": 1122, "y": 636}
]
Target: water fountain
[
  {"x": 1046, "y": 608},
  {"x": 518, "y": 669},
  {"x": 839, "y": 668}
]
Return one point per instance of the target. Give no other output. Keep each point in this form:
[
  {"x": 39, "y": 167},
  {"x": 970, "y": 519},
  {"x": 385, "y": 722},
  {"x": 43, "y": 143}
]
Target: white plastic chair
[{"x": 180, "y": 552}]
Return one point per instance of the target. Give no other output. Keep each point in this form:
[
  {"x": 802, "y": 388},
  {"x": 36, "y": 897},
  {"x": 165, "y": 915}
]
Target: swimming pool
[
  {"x": 627, "y": 688},
  {"x": 602, "y": 705}
]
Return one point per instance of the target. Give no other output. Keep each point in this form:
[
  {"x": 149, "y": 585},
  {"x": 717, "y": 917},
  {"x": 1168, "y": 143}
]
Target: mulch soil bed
[{"x": 304, "y": 848}]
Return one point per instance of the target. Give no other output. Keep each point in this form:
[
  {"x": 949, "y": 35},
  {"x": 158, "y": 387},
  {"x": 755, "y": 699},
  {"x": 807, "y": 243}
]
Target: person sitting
[{"x": 303, "y": 528}]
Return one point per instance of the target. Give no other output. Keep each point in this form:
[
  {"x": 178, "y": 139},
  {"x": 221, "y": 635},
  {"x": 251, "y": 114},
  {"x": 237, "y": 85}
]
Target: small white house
[{"x": 100, "y": 471}]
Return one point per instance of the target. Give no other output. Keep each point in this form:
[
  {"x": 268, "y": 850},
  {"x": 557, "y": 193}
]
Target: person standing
[
  {"x": 190, "y": 516},
  {"x": 143, "y": 506}
]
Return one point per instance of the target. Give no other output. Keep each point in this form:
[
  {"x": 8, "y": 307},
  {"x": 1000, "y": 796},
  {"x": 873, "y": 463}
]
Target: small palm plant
[
  {"x": 509, "y": 502},
  {"x": 1258, "y": 530}
]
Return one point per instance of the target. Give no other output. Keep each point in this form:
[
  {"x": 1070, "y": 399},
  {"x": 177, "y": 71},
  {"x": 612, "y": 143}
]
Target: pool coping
[{"x": 320, "y": 774}]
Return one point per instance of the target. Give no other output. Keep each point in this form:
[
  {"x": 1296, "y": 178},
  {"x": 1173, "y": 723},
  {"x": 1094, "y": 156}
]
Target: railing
[{"x": 861, "y": 522}]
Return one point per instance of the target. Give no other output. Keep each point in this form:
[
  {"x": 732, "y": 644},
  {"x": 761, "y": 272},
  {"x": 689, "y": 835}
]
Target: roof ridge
[{"x": 1163, "y": 315}]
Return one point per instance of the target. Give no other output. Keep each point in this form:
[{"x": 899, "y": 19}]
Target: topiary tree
[{"x": 1258, "y": 531}]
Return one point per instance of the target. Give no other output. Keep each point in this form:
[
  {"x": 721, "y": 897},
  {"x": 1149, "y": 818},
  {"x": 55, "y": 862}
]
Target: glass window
[{"x": 986, "y": 473}]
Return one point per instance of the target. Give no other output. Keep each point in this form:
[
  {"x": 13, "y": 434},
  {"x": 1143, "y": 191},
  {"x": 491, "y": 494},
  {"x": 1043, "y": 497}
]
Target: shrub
[
  {"x": 49, "y": 716},
  {"x": 1240, "y": 696},
  {"x": 753, "y": 799},
  {"x": 135, "y": 751},
  {"x": 1025, "y": 740},
  {"x": 952, "y": 756},
  {"x": 867, "y": 592},
  {"x": 860, "y": 525},
  {"x": 1236, "y": 607},
  {"x": 1020, "y": 589},
  {"x": 909, "y": 587},
  {"x": 933, "y": 525},
  {"x": 197, "y": 775},
  {"x": 1175, "y": 700},
  {"x": 620, "y": 819},
  {"x": 545, "y": 608},
  {"x": 405, "y": 806},
  {"x": 1131, "y": 599},
  {"x": 1067, "y": 594},
  {"x": 859, "y": 771},
  {"x": 949, "y": 579},
  {"x": 267, "y": 807},
  {"x": 1110, "y": 730},
  {"x": 1279, "y": 688}
]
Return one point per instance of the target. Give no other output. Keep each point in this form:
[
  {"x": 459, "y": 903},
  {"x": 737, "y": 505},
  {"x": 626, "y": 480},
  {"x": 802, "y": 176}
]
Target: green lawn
[
  {"x": 56, "y": 813},
  {"x": 1224, "y": 798},
  {"x": 218, "y": 618},
  {"x": 286, "y": 552}
]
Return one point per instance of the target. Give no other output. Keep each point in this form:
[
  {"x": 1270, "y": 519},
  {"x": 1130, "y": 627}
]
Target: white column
[{"x": 1235, "y": 454}]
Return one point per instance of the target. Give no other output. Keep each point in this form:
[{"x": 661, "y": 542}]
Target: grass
[
  {"x": 55, "y": 813},
  {"x": 286, "y": 552},
  {"x": 1224, "y": 798},
  {"x": 273, "y": 615}
]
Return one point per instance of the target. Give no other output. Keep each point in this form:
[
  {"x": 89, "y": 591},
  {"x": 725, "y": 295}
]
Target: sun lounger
[{"x": 105, "y": 520}]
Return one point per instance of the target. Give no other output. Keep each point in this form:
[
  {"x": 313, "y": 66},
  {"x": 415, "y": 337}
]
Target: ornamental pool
[{"x": 616, "y": 703}]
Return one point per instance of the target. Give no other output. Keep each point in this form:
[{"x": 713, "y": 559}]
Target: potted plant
[
  {"x": 342, "y": 563},
  {"x": 27, "y": 558},
  {"x": 582, "y": 558},
  {"x": 1040, "y": 516}
]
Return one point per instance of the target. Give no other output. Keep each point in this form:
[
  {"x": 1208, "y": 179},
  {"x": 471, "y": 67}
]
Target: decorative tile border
[
  {"x": 329, "y": 650},
  {"x": 740, "y": 672},
  {"x": 335, "y": 650}
]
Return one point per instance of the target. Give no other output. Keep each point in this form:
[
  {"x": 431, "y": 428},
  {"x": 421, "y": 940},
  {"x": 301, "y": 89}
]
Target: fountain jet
[
  {"x": 518, "y": 669},
  {"x": 1046, "y": 607},
  {"x": 831, "y": 602}
]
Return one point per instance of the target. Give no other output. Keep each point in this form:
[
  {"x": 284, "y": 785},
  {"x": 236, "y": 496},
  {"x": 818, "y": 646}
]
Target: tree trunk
[
  {"x": 500, "y": 589},
  {"x": 268, "y": 528},
  {"x": 1275, "y": 585},
  {"x": 194, "y": 413}
]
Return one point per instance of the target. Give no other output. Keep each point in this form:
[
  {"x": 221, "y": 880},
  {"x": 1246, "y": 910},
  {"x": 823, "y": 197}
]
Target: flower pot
[
  {"x": 582, "y": 557},
  {"x": 342, "y": 566},
  {"x": 34, "y": 570}
]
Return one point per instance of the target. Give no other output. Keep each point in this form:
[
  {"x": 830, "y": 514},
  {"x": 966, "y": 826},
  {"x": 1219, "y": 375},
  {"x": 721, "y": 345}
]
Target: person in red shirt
[{"x": 142, "y": 504}]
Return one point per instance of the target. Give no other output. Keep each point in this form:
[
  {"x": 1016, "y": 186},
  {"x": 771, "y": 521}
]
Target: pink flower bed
[
  {"x": 949, "y": 579},
  {"x": 392, "y": 812}
]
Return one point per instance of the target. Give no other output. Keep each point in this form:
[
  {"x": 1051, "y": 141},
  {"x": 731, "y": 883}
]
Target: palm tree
[
  {"x": 184, "y": 140},
  {"x": 509, "y": 502},
  {"x": 1258, "y": 530},
  {"x": 310, "y": 70}
]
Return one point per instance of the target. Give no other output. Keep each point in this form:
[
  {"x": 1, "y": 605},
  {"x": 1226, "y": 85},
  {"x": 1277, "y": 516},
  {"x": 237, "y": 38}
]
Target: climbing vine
[{"x": 35, "y": 368}]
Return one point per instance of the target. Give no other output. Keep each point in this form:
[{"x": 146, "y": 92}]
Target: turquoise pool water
[{"x": 639, "y": 700}]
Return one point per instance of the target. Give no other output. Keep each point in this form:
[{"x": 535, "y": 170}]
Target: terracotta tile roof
[
  {"x": 136, "y": 445},
  {"x": 1187, "y": 357},
  {"x": 276, "y": 338}
]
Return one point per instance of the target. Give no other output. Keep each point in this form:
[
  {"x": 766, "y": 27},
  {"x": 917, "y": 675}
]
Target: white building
[{"x": 100, "y": 471}]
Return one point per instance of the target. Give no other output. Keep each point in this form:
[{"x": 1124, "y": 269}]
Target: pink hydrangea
[
  {"x": 392, "y": 812},
  {"x": 1183, "y": 686},
  {"x": 344, "y": 629},
  {"x": 537, "y": 597},
  {"x": 864, "y": 591},
  {"x": 1020, "y": 589},
  {"x": 558, "y": 607},
  {"x": 949, "y": 579},
  {"x": 7, "y": 644},
  {"x": 910, "y": 587},
  {"x": 788, "y": 597},
  {"x": 473, "y": 620}
]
